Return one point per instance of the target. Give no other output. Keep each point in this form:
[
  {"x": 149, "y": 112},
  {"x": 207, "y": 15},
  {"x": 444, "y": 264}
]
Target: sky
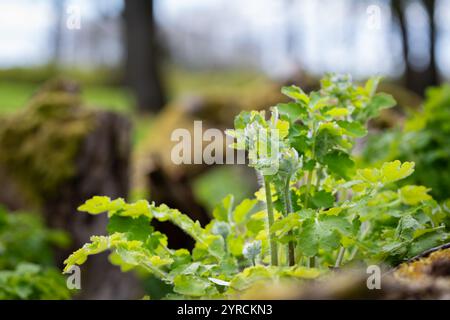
[
  {"x": 23, "y": 42},
  {"x": 25, "y": 27},
  {"x": 322, "y": 44}
]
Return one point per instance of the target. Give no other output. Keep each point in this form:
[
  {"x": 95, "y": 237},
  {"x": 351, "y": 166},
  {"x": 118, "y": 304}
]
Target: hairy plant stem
[
  {"x": 312, "y": 260},
  {"x": 310, "y": 173},
  {"x": 318, "y": 178},
  {"x": 308, "y": 188},
  {"x": 361, "y": 237},
  {"x": 270, "y": 220},
  {"x": 289, "y": 209},
  {"x": 157, "y": 272},
  {"x": 340, "y": 257}
]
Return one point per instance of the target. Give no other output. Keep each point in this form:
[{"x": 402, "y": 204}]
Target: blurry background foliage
[
  {"x": 27, "y": 268},
  {"x": 425, "y": 139}
]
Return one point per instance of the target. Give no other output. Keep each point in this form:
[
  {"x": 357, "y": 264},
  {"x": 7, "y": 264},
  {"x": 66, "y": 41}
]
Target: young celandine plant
[
  {"x": 323, "y": 198},
  {"x": 424, "y": 136},
  {"x": 315, "y": 210}
]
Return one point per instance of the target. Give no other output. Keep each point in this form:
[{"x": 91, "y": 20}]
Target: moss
[
  {"x": 39, "y": 143},
  {"x": 437, "y": 264}
]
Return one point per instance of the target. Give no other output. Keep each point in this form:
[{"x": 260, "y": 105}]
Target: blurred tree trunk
[
  {"x": 431, "y": 72},
  {"x": 290, "y": 31},
  {"x": 99, "y": 166},
  {"x": 142, "y": 55},
  {"x": 58, "y": 7},
  {"x": 102, "y": 168},
  {"x": 418, "y": 80}
]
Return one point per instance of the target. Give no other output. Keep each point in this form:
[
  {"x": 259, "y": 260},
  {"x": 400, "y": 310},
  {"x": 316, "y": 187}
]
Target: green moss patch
[{"x": 39, "y": 143}]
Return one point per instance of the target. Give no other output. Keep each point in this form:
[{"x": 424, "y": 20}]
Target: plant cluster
[
  {"x": 26, "y": 262},
  {"x": 315, "y": 211},
  {"x": 424, "y": 139}
]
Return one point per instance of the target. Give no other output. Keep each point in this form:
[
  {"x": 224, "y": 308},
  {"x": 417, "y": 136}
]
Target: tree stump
[
  {"x": 102, "y": 168},
  {"x": 55, "y": 155}
]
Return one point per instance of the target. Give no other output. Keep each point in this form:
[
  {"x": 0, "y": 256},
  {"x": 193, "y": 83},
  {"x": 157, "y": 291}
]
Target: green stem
[
  {"x": 270, "y": 220},
  {"x": 361, "y": 237},
  {"x": 344, "y": 195},
  {"x": 289, "y": 209},
  {"x": 354, "y": 252},
  {"x": 310, "y": 173},
  {"x": 340, "y": 257},
  {"x": 318, "y": 177},
  {"x": 312, "y": 260},
  {"x": 157, "y": 272},
  {"x": 308, "y": 188},
  {"x": 230, "y": 211}
]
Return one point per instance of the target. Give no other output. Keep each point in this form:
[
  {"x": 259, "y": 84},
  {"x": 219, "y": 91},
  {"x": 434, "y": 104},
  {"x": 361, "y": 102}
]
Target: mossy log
[
  {"x": 426, "y": 276},
  {"x": 55, "y": 154},
  {"x": 101, "y": 168}
]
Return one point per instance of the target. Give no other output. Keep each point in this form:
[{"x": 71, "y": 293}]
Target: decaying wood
[
  {"x": 101, "y": 167},
  {"x": 424, "y": 277}
]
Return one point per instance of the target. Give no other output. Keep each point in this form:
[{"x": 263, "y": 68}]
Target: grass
[
  {"x": 22, "y": 83},
  {"x": 14, "y": 95},
  {"x": 14, "y": 92},
  {"x": 109, "y": 98},
  {"x": 181, "y": 82}
]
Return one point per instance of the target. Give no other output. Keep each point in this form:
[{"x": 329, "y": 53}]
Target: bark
[
  {"x": 431, "y": 72},
  {"x": 102, "y": 169},
  {"x": 11, "y": 196},
  {"x": 418, "y": 81},
  {"x": 142, "y": 61}
]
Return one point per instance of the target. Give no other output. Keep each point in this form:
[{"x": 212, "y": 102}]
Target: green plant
[
  {"x": 26, "y": 262},
  {"x": 32, "y": 281},
  {"x": 424, "y": 139},
  {"x": 316, "y": 209}
]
